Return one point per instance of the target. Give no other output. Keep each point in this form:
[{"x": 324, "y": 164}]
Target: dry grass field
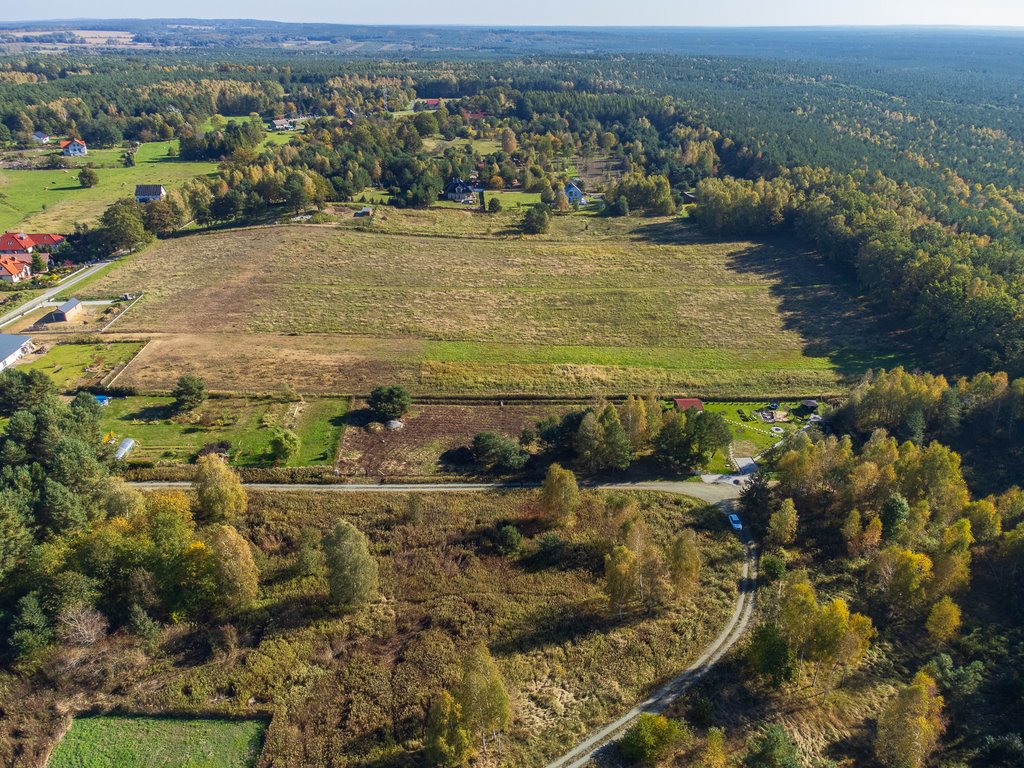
[
  {"x": 452, "y": 301},
  {"x": 435, "y": 439},
  {"x": 353, "y": 689}
]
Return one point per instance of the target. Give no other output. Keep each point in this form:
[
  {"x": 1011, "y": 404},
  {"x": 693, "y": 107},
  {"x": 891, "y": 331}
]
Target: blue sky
[{"x": 557, "y": 12}]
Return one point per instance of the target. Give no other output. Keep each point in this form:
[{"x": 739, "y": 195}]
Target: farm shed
[{"x": 67, "y": 310}]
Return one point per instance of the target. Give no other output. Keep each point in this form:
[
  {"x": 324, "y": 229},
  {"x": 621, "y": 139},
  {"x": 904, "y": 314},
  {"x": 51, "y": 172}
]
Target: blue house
[{"x": 574, "y": 194}]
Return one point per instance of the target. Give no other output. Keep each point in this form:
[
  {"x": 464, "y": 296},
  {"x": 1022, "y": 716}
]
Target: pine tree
[
  {"x": 895, "y": 514},
  {"x": 615, "y": 452},
  {"x": 589, "y": 441},
  {"x": 770, "y": 654},
  {"x": 30, "y": 630}
]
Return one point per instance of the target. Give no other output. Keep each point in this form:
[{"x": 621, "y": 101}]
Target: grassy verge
[
  {"x": 72, "y": 291},
  {"x": 119, "y": 742}
]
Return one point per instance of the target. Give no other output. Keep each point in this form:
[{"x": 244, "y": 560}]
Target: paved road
[
  {"x": 721, "y": 494},
  {"x": 42, "y": 298},
  {"x": 713, "y": 493}
]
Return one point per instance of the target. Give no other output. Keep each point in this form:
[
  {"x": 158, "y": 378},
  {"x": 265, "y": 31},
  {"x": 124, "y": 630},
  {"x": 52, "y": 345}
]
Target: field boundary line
[
  {"x": 116, "y": 375},
  {"x": 123, "y": 313}
]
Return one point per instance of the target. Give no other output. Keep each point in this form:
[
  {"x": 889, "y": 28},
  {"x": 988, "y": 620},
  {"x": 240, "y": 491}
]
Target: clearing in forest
[{"x": 457, "y": 302}]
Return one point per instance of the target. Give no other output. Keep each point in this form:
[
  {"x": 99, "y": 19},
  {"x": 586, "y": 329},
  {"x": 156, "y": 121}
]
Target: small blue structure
[
  {"x": 124, "y": 448},
  {"x": 103, "y": 400}
]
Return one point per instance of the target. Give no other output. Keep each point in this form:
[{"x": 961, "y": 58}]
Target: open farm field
[
  {"x": 334, "y": 682},
  {"x": 456, "y": 302},
  {"x": 155, "y": 742},
  {"x": 54, "y": 201}
]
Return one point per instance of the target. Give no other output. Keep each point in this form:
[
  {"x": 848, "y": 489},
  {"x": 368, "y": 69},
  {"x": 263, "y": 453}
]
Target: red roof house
[
  {"x": 686, "y": 403},
  {"x": 74, "y": 148},
  {"x": 13, "y": 271},
  {"x": 15, "y": 243}
]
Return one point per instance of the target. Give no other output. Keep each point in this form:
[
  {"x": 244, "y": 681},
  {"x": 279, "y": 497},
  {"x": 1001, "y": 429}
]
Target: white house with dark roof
[
  {"x": 459, "y": 189},
  {"x": 41, "y": 138},
  {"x": 149, "y": 193},
  {"x": 13, "y": 348}
]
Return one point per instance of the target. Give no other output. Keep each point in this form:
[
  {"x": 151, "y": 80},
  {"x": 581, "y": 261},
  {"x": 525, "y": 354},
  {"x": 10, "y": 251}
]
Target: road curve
[
  {"x": 601, "y": 739},
  {"x": 720, "y": 494}
]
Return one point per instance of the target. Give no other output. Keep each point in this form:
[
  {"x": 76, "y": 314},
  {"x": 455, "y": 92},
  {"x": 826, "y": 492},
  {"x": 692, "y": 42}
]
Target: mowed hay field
[{"x": 455, "y": 302}]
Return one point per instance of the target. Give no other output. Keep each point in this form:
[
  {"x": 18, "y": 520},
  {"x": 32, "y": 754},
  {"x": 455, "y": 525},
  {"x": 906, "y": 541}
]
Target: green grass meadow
[
  {"x": 72, "y": 365},
  {"x": 149, "y": 742},
  {"x": 247, "y": 424},
  {"x": 54, "y": 201}
]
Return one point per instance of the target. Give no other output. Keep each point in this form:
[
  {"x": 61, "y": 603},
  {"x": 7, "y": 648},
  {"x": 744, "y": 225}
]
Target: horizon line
[{"x": 666, "y": 27}]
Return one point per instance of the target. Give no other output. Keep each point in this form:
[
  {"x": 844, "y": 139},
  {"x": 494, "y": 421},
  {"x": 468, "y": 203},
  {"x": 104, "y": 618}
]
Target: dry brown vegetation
[
  {"x": 450, "y": 301},
  {"x": 353, "y": 690},
  {"x": 435, "y": 438}
]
